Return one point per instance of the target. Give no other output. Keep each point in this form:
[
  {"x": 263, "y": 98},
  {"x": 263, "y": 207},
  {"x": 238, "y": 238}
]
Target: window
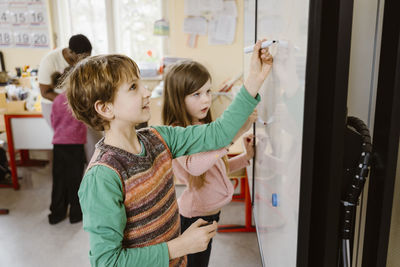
[
  {"x": 119, "y": 26},
  {"x": 134, "y": 29}
]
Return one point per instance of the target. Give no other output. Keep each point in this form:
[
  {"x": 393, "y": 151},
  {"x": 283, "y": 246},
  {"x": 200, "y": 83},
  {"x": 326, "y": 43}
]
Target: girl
[
  {"x": 127, "y": 195},
  {"x": 68, "y": 158},
  {"x": 187, "y": 101}
]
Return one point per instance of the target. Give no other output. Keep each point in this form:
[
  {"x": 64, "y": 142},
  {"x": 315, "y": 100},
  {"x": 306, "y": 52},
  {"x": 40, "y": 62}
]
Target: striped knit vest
[{"x": 148, "y": 188}]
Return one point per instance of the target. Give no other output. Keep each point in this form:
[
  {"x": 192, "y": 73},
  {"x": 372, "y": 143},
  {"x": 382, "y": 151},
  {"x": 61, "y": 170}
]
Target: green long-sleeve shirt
[{"x": 101, "y": 194}]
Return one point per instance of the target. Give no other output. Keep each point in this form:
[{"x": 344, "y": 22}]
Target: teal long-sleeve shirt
[{"x": 101, "y": 195}]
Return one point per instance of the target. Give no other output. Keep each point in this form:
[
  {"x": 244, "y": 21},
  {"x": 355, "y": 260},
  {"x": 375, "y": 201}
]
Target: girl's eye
[
  {"x": 209, "y": 91},
  {"x": 196, "y": 94}
]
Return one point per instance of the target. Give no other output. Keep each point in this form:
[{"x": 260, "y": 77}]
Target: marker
[
  {"x": 261, "y": 121},
  {"x": 274, "y": 200},
  {"x": 265, "y": 44},
  {"x": 271, "y": 119}
]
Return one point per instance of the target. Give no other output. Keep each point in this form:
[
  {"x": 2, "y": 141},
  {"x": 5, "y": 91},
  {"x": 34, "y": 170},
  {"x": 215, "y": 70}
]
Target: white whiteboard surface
[
  {"x": 279, "y": 144},
  {"x": 31, "y": 133}
]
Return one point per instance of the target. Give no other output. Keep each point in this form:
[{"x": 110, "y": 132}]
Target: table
[{"x": 25, "y": 130}]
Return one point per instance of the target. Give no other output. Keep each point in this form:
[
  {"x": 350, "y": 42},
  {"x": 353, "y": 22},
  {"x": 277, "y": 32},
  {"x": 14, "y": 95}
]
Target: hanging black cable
[{"x": 354, "y": 189}]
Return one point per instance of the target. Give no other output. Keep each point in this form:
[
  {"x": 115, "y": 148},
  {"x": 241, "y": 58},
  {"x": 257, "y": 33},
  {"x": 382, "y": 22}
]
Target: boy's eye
[{"x": 133, "y": 87}]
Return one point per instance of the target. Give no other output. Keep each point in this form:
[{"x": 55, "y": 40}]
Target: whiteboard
[{"x": 279, "y": 143}]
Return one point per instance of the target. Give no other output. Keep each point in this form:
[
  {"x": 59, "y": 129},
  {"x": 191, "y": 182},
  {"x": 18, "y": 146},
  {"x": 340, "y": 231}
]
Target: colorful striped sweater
[{"x": 148, "y": 189}]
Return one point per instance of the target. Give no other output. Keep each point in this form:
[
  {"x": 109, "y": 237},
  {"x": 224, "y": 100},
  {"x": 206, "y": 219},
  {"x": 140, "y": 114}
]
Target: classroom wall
[
  {"x": 18, "y": 57},
  {"x": 223, "y": 61}
]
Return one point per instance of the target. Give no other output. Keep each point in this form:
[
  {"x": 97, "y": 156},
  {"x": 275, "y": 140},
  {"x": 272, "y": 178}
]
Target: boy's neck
[{"x": 125, "y": 139}]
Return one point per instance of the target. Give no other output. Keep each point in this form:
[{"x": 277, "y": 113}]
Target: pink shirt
[
  {"x": 217, "y": 191},
  {"x": 67, "y": 129}
]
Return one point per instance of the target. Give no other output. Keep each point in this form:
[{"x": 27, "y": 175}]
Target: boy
[{"x": 127, "y": 195}]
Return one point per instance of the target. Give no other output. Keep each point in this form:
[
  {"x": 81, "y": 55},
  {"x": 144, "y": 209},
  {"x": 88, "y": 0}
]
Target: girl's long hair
[{"x": 182, "y": 79}]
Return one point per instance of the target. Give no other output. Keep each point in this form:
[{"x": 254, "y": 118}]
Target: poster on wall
[
  {"x": 24, "y": 24},
  {"x": 217, "y": 18}
]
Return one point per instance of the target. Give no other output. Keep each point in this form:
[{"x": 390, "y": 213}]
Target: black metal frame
[
  {"x": 385, "y": 140},
  {"x": 328, "y": 57},
  {"x": 330, "y": 24}
]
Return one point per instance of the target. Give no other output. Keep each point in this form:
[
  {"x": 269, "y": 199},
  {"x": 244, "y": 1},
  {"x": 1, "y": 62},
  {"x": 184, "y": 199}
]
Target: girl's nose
[{"x": 206, "y": 98}]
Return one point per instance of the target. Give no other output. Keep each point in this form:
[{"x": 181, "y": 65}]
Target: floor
[{"x": 26, "y": 238}]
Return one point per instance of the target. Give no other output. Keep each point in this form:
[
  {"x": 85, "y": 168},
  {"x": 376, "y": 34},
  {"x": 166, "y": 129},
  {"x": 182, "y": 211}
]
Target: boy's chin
[{"x": 145, "y": 120}]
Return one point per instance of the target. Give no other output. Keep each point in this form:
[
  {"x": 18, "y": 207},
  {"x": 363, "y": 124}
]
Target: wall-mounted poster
[{"x": 24, "y": 23}]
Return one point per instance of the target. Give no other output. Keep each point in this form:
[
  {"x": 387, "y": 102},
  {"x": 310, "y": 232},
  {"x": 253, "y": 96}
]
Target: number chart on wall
[{"x": 24, "y": 24}]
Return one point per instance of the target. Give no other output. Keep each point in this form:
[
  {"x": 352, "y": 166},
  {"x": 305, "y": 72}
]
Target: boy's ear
[{"x": 105, "y": 110}]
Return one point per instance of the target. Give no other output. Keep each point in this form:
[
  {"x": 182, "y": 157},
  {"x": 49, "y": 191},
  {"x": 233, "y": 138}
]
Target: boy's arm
[
  {"x": 104, "y": 218},
  {"x": 197, "y": 138}
]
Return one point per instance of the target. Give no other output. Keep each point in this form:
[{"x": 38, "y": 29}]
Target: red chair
[{"x": 4, "y": 211}]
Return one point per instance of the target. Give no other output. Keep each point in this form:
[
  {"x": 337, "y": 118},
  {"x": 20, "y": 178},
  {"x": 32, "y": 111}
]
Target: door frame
[
  {"x": 385, "y": 142},
  {"x": 328, "y": 59}
]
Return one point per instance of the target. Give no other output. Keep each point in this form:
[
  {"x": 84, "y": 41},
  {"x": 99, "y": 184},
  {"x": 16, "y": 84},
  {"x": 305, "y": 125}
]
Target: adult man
[{"x": 56, "y": 61}]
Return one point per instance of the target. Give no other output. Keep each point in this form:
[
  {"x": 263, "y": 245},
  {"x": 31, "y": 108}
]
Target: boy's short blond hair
[{"x": 97, "y": 78}]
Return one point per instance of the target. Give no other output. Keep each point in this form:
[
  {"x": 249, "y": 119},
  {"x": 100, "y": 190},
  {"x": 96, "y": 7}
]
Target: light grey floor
[{"x": 26, "y": 238}]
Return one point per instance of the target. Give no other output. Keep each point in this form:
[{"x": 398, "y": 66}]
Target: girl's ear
[{"x": 105, "y": 110}]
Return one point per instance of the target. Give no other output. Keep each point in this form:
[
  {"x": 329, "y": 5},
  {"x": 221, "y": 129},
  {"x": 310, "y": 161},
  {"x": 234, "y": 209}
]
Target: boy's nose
[{"x": 146, "y": 91}]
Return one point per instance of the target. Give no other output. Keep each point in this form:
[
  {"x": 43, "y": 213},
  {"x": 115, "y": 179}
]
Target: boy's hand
[
  {"x": 193, "y": 240},
  {"x": 260, "y": 67},
  {"x": 250, "y": 120},
  {"x": 248, "y": 141}
]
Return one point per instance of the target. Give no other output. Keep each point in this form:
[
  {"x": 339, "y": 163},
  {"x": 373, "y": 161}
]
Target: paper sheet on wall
[
  {"x": 221, "y": 30},
  {"x": 200, "y": 7},
  {"x": 195, "y": 25},
  {"x": 192, "y": 8},
  {"x": 229, "y": 8}
]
